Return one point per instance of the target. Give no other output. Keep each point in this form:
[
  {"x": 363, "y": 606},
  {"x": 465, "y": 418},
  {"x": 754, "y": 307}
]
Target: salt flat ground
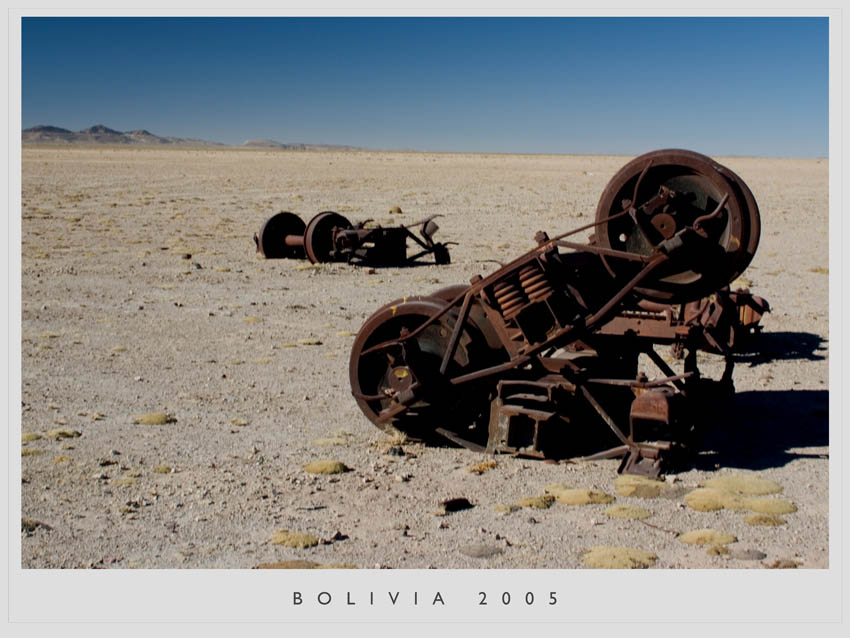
[{"x": 116, "y": 323}]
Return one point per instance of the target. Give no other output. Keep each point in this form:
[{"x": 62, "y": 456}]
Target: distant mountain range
[
  {"x": 294, "y": 146},
  {"x": 102, "y": 135}
]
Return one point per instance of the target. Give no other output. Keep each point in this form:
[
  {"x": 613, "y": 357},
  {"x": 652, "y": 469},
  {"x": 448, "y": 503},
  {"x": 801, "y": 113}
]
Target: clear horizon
[{"x": 578, "y": 86}]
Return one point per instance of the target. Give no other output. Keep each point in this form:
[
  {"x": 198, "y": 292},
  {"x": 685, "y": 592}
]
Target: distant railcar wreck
[
  {"x": 331, "y": 237},
  {"x": 540, "y": 358}
]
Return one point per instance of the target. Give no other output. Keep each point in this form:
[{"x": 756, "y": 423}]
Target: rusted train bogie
[
  {"x": 331, "y": 237},
  {"x": 541, "y": 357}
]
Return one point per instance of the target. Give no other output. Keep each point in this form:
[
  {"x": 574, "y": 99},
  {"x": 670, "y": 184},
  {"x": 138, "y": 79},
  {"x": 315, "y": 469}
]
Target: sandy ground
[{"x": 116, "y": 323}]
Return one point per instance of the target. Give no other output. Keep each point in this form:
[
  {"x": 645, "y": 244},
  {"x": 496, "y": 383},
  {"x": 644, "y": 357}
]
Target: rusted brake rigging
[
  {"x": 331, "y": 237},
  {"x": 541, "y": 357}
]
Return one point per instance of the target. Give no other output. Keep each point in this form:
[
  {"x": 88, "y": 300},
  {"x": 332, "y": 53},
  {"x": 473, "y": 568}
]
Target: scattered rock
[
  {"x": 61, "y": 459},
  {"x": 253, "y": 320},
  {"x": 30, "y": 436},
  {"x": 294, "y": 539},
  {"x": 154, "y": 418},
  {"x": 627, "y": 511},
  {"x": 480, "y": 468},
  {"x": 744, "y": 484},
  {"x": 717, "y": 550},
  {"x": 707, "y": 537},
  {"x": 605, "y": 557},
  {"x": 479, "y": 550},
  {"x": 163, "y": 469},
  {"x": 537, "y": 502},
  {"x": 29, "y": 452},
  {"x": 309, "y": 342},
  {"x": 326, "y": 466},
  {"x": 395, "y": 210},
  {"x": 506, "y": 509},
  {"x": 453, "y": 505},
  {"x": 239, "y": 422},
  {"x": 768, "y": 520},
  {"x": 394, "y": 450}
]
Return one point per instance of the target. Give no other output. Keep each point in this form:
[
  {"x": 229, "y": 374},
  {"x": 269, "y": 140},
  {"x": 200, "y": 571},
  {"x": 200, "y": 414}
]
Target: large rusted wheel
[
  {"x": 698, "y": 185},
  {"x": 319, "y": 236},
  {"x": 271, "y": 240},
  {"x": 414, "y": 364}
]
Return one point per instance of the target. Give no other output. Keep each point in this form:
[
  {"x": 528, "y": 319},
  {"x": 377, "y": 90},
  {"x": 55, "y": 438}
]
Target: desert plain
[{"x": 142, "y": 294}]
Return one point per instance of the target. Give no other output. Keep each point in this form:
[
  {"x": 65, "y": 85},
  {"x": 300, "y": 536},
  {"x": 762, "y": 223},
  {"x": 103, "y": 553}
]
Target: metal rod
[
  {"x": 666, "y": 369},
  {"x": 608, "y": 420},
  {"x": 459, "y": 322},
  {"x": 608, "y": 252}
]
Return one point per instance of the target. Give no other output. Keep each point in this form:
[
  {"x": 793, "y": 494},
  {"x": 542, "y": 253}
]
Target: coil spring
[
  {"x": 534, "y": 282},
  {"x": 509, "y": 297}
]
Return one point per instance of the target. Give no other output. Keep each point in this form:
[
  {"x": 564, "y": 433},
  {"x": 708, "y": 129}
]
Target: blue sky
[{"x": 722, "y": 86}]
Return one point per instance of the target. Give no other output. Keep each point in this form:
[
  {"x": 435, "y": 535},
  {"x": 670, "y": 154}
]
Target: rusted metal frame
[
  {"x": 656, "y": 261},
  {"x": 460, "y": 322},
  {"x": 661, "y": 364},
  {"x": 369, "y": 397},
  {"x": 697, "y": 223},
  {"x": 454, "y": 438},
  {"x": 620, "y": 450},
  {"x": 599, "y": 250},
  {"x": 510, "y": 266},
  {"x": 639, "y": 180},
  {"x": 642, "y": 384},
  {"x": 413, "y": 236},
  {"x": 589, "y": 325},
  {"x": 514, "y": 265},
  {"x": 473, "y": 289},
  {"x": 610, "y": 453},
  {"x": 426, "y": 249}
]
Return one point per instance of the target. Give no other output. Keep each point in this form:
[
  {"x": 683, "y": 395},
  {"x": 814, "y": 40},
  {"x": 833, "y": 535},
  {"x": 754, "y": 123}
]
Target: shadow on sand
[
  {"x": 781, "y": 346},
  {"x": 755, "y": 430}
]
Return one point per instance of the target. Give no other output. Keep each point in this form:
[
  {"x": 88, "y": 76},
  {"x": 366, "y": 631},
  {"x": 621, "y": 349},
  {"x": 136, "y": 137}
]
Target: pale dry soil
[{"x": 116, "y": 323}]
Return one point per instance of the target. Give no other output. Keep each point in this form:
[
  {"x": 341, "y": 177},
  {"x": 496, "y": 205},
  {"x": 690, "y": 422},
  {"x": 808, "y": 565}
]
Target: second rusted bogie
[{"x": 331, "y": 237}]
